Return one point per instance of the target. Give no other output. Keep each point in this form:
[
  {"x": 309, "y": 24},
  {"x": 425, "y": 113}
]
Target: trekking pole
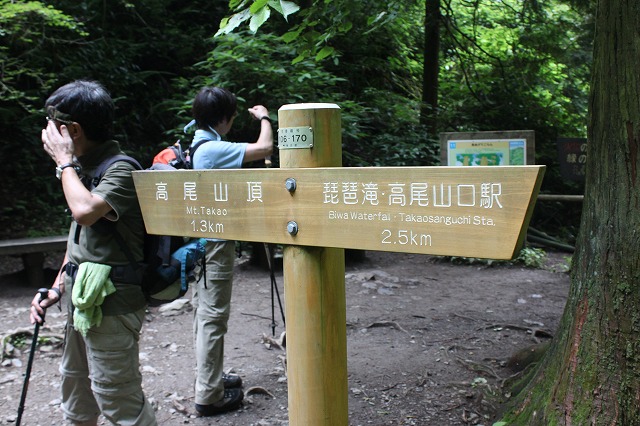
[
  {"x": 273, "y": 314},
  {"x": 274, "y": 286},
  {"x": 43, "y": 292},
  {"x": 268, "y": 164}
]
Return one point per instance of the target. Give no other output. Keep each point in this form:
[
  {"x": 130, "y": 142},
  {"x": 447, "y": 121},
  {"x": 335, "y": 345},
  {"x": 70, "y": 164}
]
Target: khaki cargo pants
[
  {"x": 101, "y": 374},
  {"x": 212, "y": 306}
]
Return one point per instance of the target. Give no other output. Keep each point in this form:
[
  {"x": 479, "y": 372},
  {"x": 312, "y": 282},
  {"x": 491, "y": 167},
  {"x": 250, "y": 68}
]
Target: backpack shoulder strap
[
  {"x": 92, "y": 181},
  {"x": 192, "y": 150}
]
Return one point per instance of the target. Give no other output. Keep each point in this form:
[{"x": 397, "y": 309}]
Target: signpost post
[{"x": 316, "y": 208}]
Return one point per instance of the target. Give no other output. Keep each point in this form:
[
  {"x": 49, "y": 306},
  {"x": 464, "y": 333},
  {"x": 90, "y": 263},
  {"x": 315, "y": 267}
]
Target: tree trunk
[
  {"x": 591, "y": 373},
  {"x": 429, "y": 110}
]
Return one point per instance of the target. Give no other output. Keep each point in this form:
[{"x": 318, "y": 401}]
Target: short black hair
[
  {"x": 87, "y": 103},
  {"x": 212, "y": 105}
]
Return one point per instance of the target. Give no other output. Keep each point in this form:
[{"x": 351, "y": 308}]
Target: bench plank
[
  {"x": 32, "y": 251},
  {"x": 33, "y": 245}
]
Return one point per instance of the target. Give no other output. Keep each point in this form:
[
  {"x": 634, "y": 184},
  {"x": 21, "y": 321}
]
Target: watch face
[{"x": 59, "y": 169}]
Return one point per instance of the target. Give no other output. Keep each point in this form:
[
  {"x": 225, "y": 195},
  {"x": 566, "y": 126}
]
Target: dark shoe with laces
[
  {"x": 231, "y": 401},
  {"x": 231, "y": 381}
]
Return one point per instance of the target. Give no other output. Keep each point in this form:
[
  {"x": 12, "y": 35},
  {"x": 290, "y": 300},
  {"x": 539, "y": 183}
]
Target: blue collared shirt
[{"x": 217, "y": 154}]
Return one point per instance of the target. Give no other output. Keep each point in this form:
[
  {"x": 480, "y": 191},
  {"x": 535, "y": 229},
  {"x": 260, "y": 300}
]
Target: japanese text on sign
[{"x": 486, "y": 195}]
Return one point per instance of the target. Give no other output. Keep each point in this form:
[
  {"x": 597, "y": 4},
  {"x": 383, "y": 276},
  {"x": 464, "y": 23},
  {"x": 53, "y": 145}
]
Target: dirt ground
[{"x": 428, "y": 340}]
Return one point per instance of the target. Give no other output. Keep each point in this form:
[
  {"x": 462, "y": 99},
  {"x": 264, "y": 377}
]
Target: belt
[{"x": 122, "y": 273}]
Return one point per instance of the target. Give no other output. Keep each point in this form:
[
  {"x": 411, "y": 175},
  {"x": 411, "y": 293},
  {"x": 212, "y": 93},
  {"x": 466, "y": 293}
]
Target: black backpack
[{"x": 169, "y": 262}]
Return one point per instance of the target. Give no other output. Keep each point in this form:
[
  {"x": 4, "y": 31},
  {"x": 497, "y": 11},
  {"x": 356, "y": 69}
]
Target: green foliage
[
  {"x": 390, "y": 128},
  {"x": 387, "y": 133},
  {"x": 19, "y": 340},
  {"x": 504, "y": 66},
  {"x": 318, "y": 26},
  {"x": 257, "y": 13},
  {"x": 233, "y": 64},
  {"x": 522, "y": 67},
  {"x": 26, "y": 29},
  {"x": 514, "y": 65},
  {"x": 30, "y": 34},
  {"x": 532, "y": 257},
  {"x": 135, "y": 50}
]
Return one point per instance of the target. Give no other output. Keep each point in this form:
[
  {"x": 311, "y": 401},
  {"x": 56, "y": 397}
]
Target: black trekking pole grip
[{"x": 44, "y": 293}]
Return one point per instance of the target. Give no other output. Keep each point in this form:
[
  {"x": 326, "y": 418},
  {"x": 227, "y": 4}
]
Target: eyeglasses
[
  {"x": 59, "y": 120},
  {"x": 54, "y": 115}
]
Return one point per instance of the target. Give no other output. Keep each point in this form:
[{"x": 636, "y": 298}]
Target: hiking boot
[
  {"x": 231, "y": 381},
  {"x": 231, "y": 401}
]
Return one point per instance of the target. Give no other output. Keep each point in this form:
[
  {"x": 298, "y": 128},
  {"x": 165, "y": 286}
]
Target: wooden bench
[{"x": 32, "y": 251}]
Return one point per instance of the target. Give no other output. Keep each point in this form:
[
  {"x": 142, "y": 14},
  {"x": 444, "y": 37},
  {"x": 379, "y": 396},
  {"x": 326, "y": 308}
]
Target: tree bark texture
[
  {"x": 429, "y": 110},
  {"x": 591, "y": 373}
]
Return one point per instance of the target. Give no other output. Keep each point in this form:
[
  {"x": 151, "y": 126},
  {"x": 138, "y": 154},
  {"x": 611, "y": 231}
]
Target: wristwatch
[{"x": 59, "y": 169}]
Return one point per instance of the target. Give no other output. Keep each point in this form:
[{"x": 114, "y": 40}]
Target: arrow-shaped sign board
[{"x": 451, "y": 211}]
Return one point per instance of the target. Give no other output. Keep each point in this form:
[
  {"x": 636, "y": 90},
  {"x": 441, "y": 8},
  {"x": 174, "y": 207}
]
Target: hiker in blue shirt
[{"x": 214, "y": 110}]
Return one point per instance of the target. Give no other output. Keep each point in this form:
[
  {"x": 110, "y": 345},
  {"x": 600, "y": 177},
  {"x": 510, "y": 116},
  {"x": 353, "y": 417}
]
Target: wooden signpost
[{"x": 315, "y": 208}]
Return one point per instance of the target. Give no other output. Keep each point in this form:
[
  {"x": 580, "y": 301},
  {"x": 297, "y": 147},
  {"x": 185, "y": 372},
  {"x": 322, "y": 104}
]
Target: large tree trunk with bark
[
  {"x": 591, "y": 373},
  {"x": 429, "y": 110}
]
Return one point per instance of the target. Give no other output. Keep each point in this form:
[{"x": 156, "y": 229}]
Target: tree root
[
  {"x": 534, "y": 331},
  {"x": 258, "y": 390},
  {"x": 478, "y": 367},
  {"x": 468, "y": 318},
  {"x": 283, "y": 360},
  {"x": 27, "y": 332},
  {"x": 279, "y": 343},
  {"x": 392, "y": 324}
]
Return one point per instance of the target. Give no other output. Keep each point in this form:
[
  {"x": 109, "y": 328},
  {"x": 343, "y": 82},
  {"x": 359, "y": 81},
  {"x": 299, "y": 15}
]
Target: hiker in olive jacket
[{"x": 100, "y": 361}]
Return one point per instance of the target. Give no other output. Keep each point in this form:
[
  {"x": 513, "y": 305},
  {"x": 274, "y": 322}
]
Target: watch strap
[{"x": 60, "y": 169}]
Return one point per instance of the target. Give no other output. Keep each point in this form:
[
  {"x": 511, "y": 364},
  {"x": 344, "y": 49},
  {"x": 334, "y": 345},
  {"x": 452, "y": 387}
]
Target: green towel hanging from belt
[{"x": 91, "y": 286}]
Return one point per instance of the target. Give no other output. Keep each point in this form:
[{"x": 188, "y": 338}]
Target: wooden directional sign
[
  {"x": 318, "y": 210},
  {"x": 460, "y": 211}
]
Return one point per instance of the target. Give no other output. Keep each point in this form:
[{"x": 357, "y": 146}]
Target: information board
[
  {"x": 462, "y": 211},
  {"x": 572, "y": 156},
  {"x": 500, "y": 148}
]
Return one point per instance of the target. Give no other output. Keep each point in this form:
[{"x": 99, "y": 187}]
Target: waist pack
[{"x": 165, "y": 280}]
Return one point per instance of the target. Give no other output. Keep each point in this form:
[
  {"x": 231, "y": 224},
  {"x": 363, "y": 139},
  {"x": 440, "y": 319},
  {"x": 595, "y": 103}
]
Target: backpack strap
[
  {"x": 192, "y": 151},
  {"x": 103, "y": 225},
  {"x": 127, "y": 252},
  {"x": 91, "y": 182},
  {"x": 180, "y": 160},
  {"x": 183, "y": 271},
  {"x": 164, "y": 249}
]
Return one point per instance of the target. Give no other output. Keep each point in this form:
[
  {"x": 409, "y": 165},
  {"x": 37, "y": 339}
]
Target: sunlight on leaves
[
  {"x": 285, "y": 8},
  {"x": 230, "y": 24},
  {"x": 259, "y": 18},
  {"x": 324, "y": 52},
  {"x": 257, "y": 6}
]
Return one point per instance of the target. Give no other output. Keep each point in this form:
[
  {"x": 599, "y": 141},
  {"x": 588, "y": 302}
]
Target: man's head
[
  {"x": 84, "y": 102},
  {"x": 213, "y": 105}
]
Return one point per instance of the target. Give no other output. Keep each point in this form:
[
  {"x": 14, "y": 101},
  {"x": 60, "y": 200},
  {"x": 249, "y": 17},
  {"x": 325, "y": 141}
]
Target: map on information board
[{"x": 497, "y": 152}]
